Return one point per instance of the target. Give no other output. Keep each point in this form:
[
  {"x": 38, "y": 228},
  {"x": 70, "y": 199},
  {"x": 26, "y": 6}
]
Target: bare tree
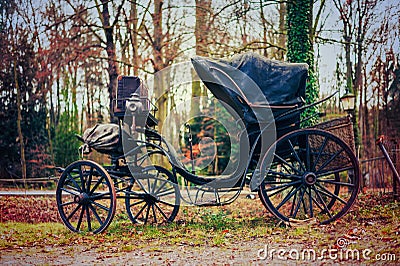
[{"x": 357, "y": 18}]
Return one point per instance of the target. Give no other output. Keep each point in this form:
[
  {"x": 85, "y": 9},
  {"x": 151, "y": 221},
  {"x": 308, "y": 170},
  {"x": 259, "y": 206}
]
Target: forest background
[{"x": 60, "y": 60}]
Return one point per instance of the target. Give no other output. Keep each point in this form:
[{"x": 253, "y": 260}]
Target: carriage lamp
[{"x": 348, "y": 101}]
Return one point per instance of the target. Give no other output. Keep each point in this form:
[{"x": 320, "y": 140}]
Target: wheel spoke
[
  {"x": 302, "y": 190},
  {"x": 89, "y": 181},
  {"x": 67, "y": 203},
  {"x": 161, "y": 187},
  {"x": 334, "y": 182},
  {"x": 308, "y": 162},
  {"x": 70, "y": 178},
  {"x": 135, "y": 194},
  {"x": 323, "y": 202},
  {"x": 293, "y": 203},
  {"x": 286, "y": 176},
  {"x": 140, "y": 211},
  {"x": 319, "y": 153},
  {"x": 136, "y": 203},
  {"x": 98, "y": 196},
  {"x": 284, "y": 185},
  {"x": 73, "y": 212},
  {"x": 335, "y": 171},
  {"x": 280, "y": 190},
  {"x": 162, "y": 213},
  {"x": 140, "y": 184},
  {"x": 316, "y": 203},
  {"x": 83, "y": 181},
  {"x": 88, "y": 219},
  {"x": 270, "y": 182},
  {"x": 330, "y": 194},
  {"x": 286, "y": 163},
  {"x": 148, "y": 185},
  {"x": 285, "y": 167},
  {"x": 329, "y": 161},
  {"x": 154, "y": 186},
  {"x": 166, "y": 192},
  {"x": 75, "y": 193},
  {"x": 154, "y": 213},
  {"x": 296, "y": 155},
  {"x": 310, "y": 202},
  {"x": 100, "y": 206},
  {"x": 304, "y": 204},
  {"x": 96, "y": 185},
  {"x": 96, "y": 214},
  {"x": 80, "y": 219},
  {"x": 147, "y": 213},
  {"x": 287, "y": 198}
]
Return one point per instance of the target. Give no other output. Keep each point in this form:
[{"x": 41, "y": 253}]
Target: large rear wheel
[{"x": 314, "y": 174}]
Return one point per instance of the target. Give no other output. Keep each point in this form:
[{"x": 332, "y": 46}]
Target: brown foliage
[{"x": 28, "y": 209}]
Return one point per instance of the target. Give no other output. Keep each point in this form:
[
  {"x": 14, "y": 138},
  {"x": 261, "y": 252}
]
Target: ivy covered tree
[{"x": 300, "y": 48}]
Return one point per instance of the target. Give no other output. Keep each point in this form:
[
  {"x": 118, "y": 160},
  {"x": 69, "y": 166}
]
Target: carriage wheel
[
  {"x": 86, "y": 198},
  {"x": 314, "y": 174},
  {"x": 154, "y": 197}
]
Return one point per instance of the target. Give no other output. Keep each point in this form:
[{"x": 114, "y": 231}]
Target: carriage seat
[{"x": 106, "y": 139}]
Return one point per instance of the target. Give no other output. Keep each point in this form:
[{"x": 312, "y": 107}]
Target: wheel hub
[
  {"x": 150, "y": 199},
  {"x": 81, "y": 198},
  {"x": 309, "y": 178}
]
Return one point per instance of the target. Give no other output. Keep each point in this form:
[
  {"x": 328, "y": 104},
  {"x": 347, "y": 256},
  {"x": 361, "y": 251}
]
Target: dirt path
[
  {"x": 79, "y": 256},
  {"x": 245, "y": 253}
]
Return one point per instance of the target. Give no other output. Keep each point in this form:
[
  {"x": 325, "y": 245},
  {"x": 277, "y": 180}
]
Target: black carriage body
[{"x": 278, "y": 86}]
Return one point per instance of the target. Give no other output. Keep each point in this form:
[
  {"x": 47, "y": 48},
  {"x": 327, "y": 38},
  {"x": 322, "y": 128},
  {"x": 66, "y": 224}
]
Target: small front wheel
[
  {"x": 86, "y": 198},
  {"x": 154, "y": 197}
]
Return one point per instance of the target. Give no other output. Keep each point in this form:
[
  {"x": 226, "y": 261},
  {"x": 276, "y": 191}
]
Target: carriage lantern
[{"x": 348, "y": 101}]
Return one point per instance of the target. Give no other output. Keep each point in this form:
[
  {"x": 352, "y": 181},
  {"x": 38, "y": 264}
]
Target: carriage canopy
[{"x": 280, "y": 85}]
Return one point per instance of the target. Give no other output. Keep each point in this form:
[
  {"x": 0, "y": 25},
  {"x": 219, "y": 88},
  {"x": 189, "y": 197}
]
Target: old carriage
[{"x": 299, "y": 173}]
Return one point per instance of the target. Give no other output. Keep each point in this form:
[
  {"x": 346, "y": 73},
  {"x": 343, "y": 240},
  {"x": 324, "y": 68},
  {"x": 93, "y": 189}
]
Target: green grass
[{"x": 373, "y": 219}]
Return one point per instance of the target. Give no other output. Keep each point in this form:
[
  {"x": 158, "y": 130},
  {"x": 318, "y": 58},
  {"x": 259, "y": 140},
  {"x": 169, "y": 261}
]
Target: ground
[{"x": 240, "y": 233}]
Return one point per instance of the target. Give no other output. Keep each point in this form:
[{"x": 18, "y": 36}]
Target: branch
[{"x": 118, "y": 13}]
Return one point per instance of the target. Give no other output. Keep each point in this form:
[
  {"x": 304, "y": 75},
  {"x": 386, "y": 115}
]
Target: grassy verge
[{"x": 373, "y": 223}]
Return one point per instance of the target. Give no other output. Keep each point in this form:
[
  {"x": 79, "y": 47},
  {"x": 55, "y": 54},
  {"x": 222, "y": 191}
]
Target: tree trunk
[
  {"x": 265, "y": 30},
  {"x": 282, "y": 30},
  {"x": 366, "y": 126},
  {"x": 158, "y": 63},
  {"x": 203, "y": 9},
  {"x": 134, "y": 37},
  {"x": 19, "y": 119},
  {"x": 158, "y": 36},
  {"x": 113, "y": 68}
]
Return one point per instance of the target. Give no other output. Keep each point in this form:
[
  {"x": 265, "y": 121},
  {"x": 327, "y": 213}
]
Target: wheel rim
[
  {"x": 154, "y": 197},
  {"x": 314, "y": 174},
  {"x": 86, "y": 198}
]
